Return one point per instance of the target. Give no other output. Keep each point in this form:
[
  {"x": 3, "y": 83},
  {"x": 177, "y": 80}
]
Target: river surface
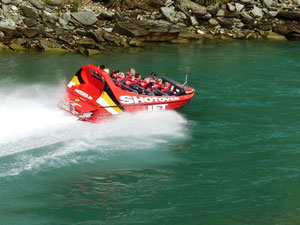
[{"x": 229, "y": 157}]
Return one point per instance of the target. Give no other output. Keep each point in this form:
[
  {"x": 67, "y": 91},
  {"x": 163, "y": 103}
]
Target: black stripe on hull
[{"x": 113, "y": 97}]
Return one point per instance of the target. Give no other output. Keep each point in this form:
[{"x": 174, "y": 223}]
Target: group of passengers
[{"x": 134, "y": 81}]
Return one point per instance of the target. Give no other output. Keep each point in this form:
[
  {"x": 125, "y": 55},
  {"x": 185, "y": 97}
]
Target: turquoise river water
[{"x": 229, "y": 157}]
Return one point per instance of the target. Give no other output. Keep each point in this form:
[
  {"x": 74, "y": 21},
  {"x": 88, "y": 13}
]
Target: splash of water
[{"x": 35, "y": 133}]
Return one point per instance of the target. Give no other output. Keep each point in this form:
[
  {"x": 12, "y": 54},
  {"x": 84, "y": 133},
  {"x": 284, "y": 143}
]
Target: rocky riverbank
[{"x": 89, "y": 28}]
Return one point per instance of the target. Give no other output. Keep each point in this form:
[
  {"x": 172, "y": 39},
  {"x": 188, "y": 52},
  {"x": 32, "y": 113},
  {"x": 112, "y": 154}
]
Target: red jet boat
[{"x": 92, "y": 95}]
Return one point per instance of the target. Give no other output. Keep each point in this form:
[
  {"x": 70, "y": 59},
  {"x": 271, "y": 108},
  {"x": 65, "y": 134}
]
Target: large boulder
[
  {"x": 97, "y": 35},
  {"x": 86, "y": 42},
  {"x": 148, "y": 30},
  {"x": 115, "y": 39},
  {"x": 16, "y": 47},
  {"x": 156, "y": 3},
  {"x": 276, "y": 37},
  {"x": 86, "y": 18},
  {"x": 56, "y": 2},
  {"x": 290, "y": 30},
  {"x": 28, "y": 32},
  {"x": 239, "y": 7},
  {"x": 270, "y": 3},
  {"x": 29, "y": 12},
  {"x": 130, "y": 29},
  {"x": 6, "y": 2},
  {"x": 37, "y": 3},
  {"x": 31, "y": 22},
  {"x": 187, "y": 6},
  {"x": 290, "y": 15},
  {"x": 257, "y": 12},
  {"x": 169, "y": 14}
]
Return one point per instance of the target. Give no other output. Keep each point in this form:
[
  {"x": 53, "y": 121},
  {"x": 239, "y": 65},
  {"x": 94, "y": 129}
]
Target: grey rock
[
  {"x": 16, "y": 2},
  {"x": 187, "y": 5},
  {"x": 276, "y": 37},
  {"x": 213, "y": 9},
  {"x": 37, "y": 3},
  {"x": 239, "y": 7},
  {"x": 56, "y": 2},
  {"x": 5, "y": 11},
  {"x": 221, "y": 12},
  {"x": 297, "y": 2},
  {"x": 225, "y": 22},
  {"x": 62, "y": 22},
  {"x": 1, "y": 36},
  {"x": 231, "y": 7},
  {"x": 257, "y": 12},
  {"x": 213, "y": 22},
  {"x": 30, "y": 22},
  {"x": 7, "y": 23},
  {"x": 28, "y": 32},
  {"x": 14, "y": 8},
  {"x": 181, "y": 16},
  {"x": 270, "y": 3},
  {"x": 156, "y": 3},
  {"x": 194, "y": 22},
  {"x": 148, "y": 30},
  {"x": 106, "y": 15},
  {"x": 67, "y": 16},
  {"x": 50, "y": 17},
  {"x": 207, "y": 16},
  {"x": 292, "y": 15},
  {"x": 97, "y": 35},
  {"x": 6, "y": 2},
  {"x": 223, "y": 6},
  {"x": 85, "y": 17},
  {"x": 272, "y": 13},
  {"x": 246, "y": 16},
  {"x": 169, "y": 14},
  {"x": 29, "y": 11}
]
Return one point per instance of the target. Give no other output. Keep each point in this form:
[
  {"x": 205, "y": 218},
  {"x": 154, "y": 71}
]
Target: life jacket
[
  {"x": 128, "y": 83},
  {"x": 143, "y": 83},
  {"x": 156, "y": 85},
  {"x": 136, "y": 80},
  {"x": 164, "y": 89}
]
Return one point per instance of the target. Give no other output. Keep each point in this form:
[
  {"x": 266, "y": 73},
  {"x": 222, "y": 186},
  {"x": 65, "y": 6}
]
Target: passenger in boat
[
  {"x": 158, "y": 84},
  {"x": 120, "y": 78},
  {"x": 132, "y": 72},
  {"x": 106, "y": 70},
  {"x": 127, "y": 75},
  {"x": 153, "y": 76},
  {"x": 143, "y": 83},
  {"x": 102, "y": 67},
  {"x": 137, "y": 78},
  {"x": 166, "y": 88},
  {"x": 113, "y": 74}
]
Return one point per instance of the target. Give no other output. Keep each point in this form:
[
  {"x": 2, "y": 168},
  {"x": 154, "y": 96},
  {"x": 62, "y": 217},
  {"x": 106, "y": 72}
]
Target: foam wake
[{"x": 35, "y": 133}]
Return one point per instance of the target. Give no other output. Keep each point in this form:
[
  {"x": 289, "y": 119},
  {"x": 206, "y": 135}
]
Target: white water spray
[{"x": 35, "y": 133}]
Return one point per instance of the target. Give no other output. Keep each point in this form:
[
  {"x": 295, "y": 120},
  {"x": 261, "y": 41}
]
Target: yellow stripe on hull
[{"x": 110, "y": 102}]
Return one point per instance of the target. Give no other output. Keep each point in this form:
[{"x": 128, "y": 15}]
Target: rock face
[
  {"x": 60, "y": 25},
  {"x": 85, "y": 17}
]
